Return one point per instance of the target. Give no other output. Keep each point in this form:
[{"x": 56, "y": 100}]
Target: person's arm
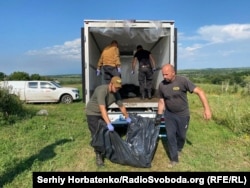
[
  {"x": 104, "y": 114},
  {"x": 207, "y": 111},
  {"x": 161, "y": 106},
  {"x": 152, "y": 61},
  {"x": 100, "y": 62},
  {"x": 124, "y": 111},
  {"x": 134, "y": 63},
  {"x": 117, "y": 58}
]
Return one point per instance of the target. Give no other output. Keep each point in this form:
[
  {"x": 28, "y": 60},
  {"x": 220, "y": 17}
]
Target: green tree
[
  {"x": 19, "y": 76},
  {"x": 2, "y": 76},
  {"x": 35, "y": 77}
]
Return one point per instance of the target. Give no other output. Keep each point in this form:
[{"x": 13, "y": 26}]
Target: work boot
[{"x": 99, "y": 159}]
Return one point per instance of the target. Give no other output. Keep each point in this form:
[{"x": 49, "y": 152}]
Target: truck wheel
[{"x": 66, "y": 99}]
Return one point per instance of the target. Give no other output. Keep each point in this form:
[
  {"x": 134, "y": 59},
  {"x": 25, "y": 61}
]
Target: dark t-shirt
[
  {"x": 143, "y": 57},
  {"x": 175, "y": 95},
  {"x": 102, "y": 96}
]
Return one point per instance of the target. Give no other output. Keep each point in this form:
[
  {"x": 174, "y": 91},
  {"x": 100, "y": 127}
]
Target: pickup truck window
[
  {"x": 56, "y": 84},
  {"x": 45, "y": 85},
  {"x": 33, "y": 85}
]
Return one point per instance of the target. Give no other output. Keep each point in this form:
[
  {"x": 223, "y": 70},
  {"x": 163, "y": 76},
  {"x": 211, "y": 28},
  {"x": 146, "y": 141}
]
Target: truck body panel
[
  {"x": 159, "y": 37},
  {"x": 40, "y": 91}
]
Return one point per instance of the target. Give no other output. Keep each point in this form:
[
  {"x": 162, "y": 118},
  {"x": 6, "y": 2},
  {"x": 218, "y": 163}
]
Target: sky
[{"x": 43, "y": 37}]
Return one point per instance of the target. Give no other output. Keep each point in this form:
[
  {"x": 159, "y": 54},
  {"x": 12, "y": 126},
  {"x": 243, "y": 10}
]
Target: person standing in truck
[
  {"x": 110, "y": 62},
  {"x": 146, "y": 70},
  {"x": 174, "y": 102},
  {"x": 96, "y": 109}
]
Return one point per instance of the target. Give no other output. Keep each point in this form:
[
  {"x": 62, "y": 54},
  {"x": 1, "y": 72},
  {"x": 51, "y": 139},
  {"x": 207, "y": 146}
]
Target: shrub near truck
[{"x": 41, "y": 91}]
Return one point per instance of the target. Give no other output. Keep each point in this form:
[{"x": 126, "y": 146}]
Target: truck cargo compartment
[{"x": 159, "y": 37}]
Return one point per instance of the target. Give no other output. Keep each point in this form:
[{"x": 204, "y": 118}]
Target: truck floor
[{"x": 138, "y": 99}]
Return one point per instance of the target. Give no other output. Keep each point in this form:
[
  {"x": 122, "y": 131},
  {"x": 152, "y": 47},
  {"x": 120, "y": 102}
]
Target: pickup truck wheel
[{"x": 66, "y": 99}]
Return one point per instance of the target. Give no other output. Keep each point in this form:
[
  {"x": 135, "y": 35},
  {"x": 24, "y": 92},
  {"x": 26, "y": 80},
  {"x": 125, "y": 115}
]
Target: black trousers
[
  {"x": 109, "y": 72},
  {"x": 176, "y": 128},
  {"x": 93, "y": 124},
  {"x": 145, "y": 79}
]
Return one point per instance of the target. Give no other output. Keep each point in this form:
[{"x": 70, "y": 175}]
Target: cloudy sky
[{"x": 43, "y": 37}]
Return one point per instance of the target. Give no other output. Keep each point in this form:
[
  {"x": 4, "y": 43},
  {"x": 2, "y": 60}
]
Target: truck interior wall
[
  {"x": 94, "y": 54},
  {"x": 160, "y": 53}
]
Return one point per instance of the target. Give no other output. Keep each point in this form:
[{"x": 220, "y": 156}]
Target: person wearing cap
[
  {"x": 146, "y": 70},
  {"x": 96, "y": 109},
  {"x": 110, "y": 62}
]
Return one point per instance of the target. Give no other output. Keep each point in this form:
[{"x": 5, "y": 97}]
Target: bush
[{"x": 11, "y": 108}]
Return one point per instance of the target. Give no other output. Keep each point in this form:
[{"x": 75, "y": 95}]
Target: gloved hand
[
  {"x": 132, "y": 72},
  {"x": 98, "y": 72},
  {"x": 158, "y": 119},
  {"x": 119, "y": 69},
  {"x": 110, "y": 127},
  {"x": 128, "y": 120},
  {"x": 154, "y": 69}
]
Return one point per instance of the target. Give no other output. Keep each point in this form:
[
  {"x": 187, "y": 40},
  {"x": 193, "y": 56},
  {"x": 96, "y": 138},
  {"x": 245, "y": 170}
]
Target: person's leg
[
  {"x": 141, "y": 79},
  {"x": 183, "y": 123},
  {"x": 93, "y": 126},
  {"x": 114, "y": 72},
  {"x": 171, "y": 128},
  {"x": 108, "y": 73},
  {"x": 149, "y": 82}
]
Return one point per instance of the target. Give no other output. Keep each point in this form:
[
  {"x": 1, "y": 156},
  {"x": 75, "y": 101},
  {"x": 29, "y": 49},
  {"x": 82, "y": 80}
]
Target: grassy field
[{"x": 60, "y": 142}]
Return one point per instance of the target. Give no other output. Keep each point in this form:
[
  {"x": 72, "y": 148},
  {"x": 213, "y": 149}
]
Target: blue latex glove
[
  {"x": 128, "y": 120},
  {"x": 119, "y": 69},
  {"x": 154, "y": 69},
  {"x": 132, "y": 72},
  {"x": 110, "y": 127},
  {"x": 98, "y": 72}
]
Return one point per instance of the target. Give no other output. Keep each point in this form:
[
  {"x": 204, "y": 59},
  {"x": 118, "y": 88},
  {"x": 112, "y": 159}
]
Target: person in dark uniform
[
  {"x": 110, "y": 62},
  {"x": 146, "y": 70},
  {"x": 96, "y": 109},
  {"x": 174, "y": 102}
]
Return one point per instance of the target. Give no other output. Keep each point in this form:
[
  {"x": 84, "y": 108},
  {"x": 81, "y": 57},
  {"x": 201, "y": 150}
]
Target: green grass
[{"x": 61, "y": 142}]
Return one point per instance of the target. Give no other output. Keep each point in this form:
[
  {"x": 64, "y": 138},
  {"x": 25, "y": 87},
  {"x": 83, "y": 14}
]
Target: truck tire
[{"x": 66, "y": 99}]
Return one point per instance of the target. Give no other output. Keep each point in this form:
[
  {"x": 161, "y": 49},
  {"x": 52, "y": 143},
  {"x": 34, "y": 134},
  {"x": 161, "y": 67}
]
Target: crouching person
[{"x": 103, "y": 96}]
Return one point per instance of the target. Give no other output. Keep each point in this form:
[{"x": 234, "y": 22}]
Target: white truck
[
  {"x": 38, "y": 91},
  {"x": 159, "y": 37}
]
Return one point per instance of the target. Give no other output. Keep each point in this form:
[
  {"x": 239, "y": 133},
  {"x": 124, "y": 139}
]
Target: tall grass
[
  {"x": 230, "y": 107},
  {"x": 232, "y": 111}
]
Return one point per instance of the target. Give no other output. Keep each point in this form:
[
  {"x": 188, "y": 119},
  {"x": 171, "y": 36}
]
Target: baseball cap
[{"x": 116, "y": 80}]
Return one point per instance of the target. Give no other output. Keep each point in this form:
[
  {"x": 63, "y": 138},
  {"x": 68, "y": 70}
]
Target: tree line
[
  {"x": 22, "y": 76},
  {"x": 239, "y": 76}
]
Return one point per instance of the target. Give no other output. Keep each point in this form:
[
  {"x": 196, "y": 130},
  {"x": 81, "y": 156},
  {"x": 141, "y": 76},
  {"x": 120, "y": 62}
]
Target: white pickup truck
[{"x": 37, "y": 91}]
